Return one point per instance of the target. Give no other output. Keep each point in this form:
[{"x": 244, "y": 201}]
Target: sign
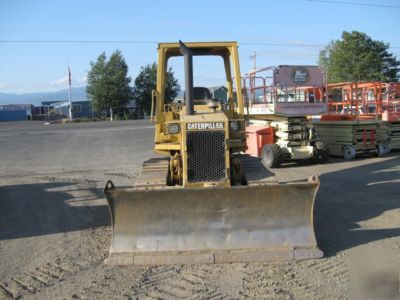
[
  {"x": 289, "y": 76},
  {"x": 205, "y": 126},
  {"x": 300, "y": 75}
]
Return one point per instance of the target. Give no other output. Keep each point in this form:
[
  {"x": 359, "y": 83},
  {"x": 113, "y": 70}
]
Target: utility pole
[
  {"x": 69, "y": 93},
  {"x": 254, "y": 58},
  {"x": 252, "y": 77}
]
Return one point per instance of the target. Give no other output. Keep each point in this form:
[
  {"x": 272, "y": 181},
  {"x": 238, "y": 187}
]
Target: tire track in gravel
[
  {"x": 33, "y": 281},
  {"x": 318, "y": 278},
  {"x": 329, "y": 272},
  {"x": 176, "y": 282},
  {"x": 310, "y": 279},
  {"x": 262, "y": 281}
]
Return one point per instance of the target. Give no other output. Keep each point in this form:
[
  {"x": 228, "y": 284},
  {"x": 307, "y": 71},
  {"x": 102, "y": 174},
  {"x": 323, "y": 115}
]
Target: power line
[
  {"x": 356, "y": 3},
  {"x": 149, "y": 42},
  {"x": 137, "y": 32},
  {"x": 215, "y": 34},
  {"x": 154, "y": 42},
  {"x": 77, "y": 41}
]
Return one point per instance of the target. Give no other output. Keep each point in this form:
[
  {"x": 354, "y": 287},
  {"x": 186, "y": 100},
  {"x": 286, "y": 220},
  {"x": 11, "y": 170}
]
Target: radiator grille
[{"x": 206, "y": 156}]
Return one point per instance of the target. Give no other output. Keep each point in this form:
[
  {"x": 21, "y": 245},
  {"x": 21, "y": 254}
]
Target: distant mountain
[{"x": 77, "y": 94}]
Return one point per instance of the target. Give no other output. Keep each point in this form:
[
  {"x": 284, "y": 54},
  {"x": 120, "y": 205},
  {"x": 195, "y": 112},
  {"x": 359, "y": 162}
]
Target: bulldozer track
[
  {"x": 35, "y": 280},
  {"x": 154, "y": 172}
]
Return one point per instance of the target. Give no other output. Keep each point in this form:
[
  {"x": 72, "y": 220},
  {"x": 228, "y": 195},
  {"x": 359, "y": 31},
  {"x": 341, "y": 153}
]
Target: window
[{"x": 76, "y": 108}]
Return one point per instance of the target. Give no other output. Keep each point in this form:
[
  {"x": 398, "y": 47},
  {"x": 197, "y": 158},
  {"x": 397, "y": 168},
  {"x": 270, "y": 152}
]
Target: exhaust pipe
[{"x": 188, "y": 57}]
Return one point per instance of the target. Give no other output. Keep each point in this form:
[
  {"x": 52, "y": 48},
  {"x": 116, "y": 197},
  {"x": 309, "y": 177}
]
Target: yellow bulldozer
[{"x": 206, "y": 201}]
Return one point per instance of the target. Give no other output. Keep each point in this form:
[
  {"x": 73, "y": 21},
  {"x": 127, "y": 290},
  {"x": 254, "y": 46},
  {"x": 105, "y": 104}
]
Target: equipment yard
[{"x": 55, "y": 228}]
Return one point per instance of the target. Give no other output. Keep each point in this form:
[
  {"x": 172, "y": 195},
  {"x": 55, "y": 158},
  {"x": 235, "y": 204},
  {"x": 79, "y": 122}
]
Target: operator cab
[
  {"x": 201, "y": 95},
  {"x": 202, "y": 99}
]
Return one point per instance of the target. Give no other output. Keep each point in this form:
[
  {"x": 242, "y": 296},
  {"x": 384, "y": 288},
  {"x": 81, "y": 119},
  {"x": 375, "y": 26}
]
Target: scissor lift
[
  {"x": 390, "y": 113},
  {"x": 279, "y": 100},
  {"x": 352, "y": 125}
]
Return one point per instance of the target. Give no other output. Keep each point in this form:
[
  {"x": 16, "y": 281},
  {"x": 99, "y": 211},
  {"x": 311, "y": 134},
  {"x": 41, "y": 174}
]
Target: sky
[{"x": 39, "y": 38}]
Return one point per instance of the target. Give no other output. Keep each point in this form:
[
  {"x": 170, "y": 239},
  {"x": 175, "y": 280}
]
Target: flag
[{"x": 69, "y": 76}]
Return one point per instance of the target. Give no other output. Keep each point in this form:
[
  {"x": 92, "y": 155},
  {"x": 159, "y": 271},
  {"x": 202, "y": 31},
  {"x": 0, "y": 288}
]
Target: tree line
[
  {"x": 355, "y": 57},
  {"x": 109, "y": 86}
]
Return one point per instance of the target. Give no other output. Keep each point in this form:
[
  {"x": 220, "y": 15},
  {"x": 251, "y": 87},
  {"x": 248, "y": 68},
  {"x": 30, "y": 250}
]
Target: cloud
[
  {"x": 60, "y": 82},
  {"x": 83, "y": 79},
  {"x": 8, "y": 87},
  {"x": 63, "y": 82}
]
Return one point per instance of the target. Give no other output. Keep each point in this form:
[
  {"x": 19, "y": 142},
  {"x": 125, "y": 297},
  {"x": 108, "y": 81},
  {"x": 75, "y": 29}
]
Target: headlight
[
  {"x": 173, "y": 128},
  {"x": 234, "y": 125}
]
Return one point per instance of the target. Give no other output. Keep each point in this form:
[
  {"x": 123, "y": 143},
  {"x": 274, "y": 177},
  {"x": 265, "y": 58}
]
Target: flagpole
[{"x": 69, "y": 93}]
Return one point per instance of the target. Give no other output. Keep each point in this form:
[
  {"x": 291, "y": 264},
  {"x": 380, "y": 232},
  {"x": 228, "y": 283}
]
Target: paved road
[{"x": 42, "y": 148}]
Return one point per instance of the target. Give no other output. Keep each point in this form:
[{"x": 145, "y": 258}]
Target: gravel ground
[{"x": 55, "y": 226}]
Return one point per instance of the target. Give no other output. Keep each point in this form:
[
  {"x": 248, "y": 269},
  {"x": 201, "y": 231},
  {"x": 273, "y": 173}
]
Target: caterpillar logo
[{"x": 205, "y": 126}]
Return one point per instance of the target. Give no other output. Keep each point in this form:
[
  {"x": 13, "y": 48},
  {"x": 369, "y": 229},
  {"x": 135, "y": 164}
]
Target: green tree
[
  {"x": 108, "y": 82},
  {"x": 146, "y": 81},
  {"x": 357, "y": 57}
]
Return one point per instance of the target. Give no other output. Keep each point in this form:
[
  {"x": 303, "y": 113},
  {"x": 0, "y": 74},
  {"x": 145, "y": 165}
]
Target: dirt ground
[{"x": 55, "y": 226}]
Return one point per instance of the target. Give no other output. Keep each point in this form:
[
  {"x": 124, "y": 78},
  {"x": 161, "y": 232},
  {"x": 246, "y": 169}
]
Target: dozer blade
[{"x": 212, "y": 225}]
